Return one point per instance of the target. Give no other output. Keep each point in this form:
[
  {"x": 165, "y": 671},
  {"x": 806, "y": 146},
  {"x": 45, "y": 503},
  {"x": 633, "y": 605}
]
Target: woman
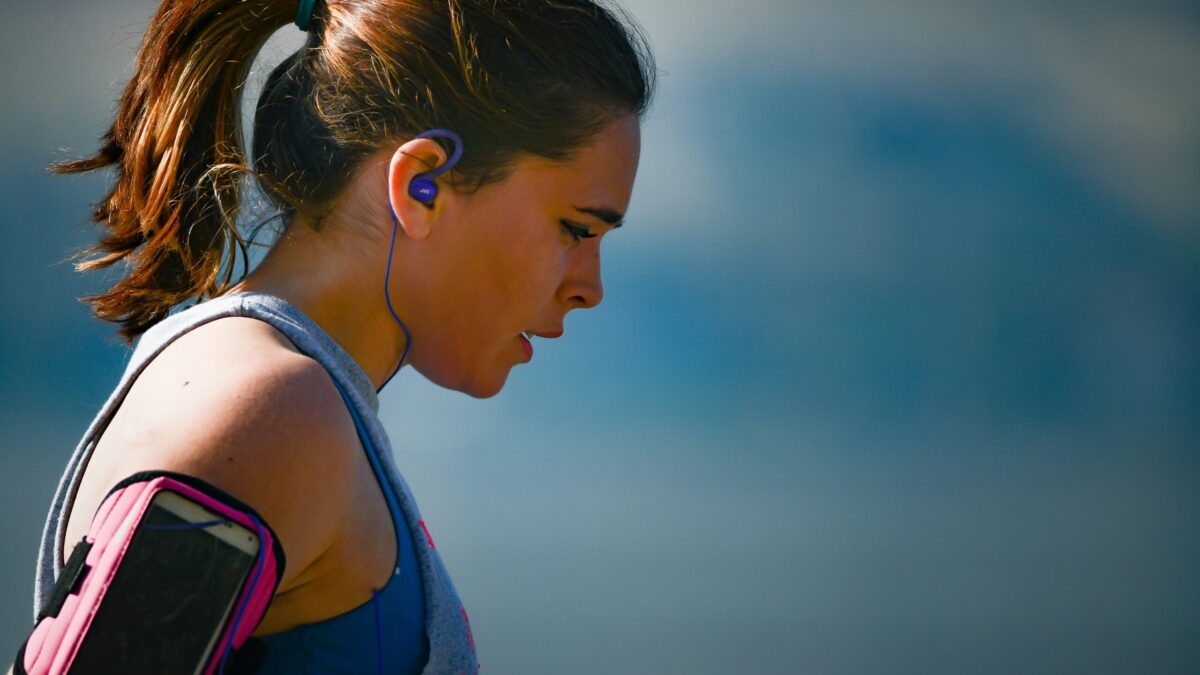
[{"x": 523, "y": 114}]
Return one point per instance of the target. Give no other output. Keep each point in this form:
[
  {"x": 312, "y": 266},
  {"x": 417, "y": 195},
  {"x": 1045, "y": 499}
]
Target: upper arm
[{"x": 275, "y": 435}]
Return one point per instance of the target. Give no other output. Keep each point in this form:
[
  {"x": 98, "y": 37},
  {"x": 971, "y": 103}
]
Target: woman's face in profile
[{"x": 508, "y": 260}]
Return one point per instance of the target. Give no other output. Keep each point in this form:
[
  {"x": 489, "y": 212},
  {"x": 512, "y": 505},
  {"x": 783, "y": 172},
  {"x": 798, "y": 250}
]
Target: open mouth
[{"x": 527, "y": 343}]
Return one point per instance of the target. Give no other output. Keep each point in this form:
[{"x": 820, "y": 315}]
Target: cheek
[
  {"x": 525, "y": 272},
  {"x": 497, "y": 297}
]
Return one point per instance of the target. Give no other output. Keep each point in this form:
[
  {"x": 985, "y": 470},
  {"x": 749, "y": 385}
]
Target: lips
[
  {"x": 528, "y": 335},
  {"x": 528, "y": 347}
]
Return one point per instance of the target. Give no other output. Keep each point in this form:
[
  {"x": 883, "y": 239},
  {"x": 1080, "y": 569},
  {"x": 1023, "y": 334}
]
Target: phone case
[{"x": 80, "y": 589}]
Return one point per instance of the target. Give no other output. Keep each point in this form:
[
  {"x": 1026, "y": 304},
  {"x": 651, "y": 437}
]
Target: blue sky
[{"x": 895, "y": 371}]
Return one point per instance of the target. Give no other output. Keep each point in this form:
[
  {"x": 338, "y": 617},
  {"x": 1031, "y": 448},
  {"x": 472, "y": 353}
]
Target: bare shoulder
[{"x": 234, "y": 404}]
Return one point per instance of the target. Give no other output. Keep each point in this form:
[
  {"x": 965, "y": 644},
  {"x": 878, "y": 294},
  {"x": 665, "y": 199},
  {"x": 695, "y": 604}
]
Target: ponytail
[{"x": 177, "y": 145}]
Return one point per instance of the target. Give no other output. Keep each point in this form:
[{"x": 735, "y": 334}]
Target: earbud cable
[{"x": 386, "y": 279}]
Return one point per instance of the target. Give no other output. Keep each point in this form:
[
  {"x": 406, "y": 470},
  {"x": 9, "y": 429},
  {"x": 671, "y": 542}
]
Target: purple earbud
[{"x": 422, "y": 188}]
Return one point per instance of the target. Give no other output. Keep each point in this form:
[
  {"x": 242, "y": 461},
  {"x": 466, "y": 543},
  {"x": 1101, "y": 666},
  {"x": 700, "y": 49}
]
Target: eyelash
[{"x": 576, "y": 231}]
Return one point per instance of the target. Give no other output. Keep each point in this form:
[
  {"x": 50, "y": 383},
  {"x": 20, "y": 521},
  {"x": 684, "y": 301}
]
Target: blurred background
[{"x": 896, "y": 371}]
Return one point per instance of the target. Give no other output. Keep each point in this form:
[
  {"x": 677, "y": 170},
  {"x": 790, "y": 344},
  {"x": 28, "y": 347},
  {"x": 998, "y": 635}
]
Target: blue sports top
[{"x": 415, "y": 623}]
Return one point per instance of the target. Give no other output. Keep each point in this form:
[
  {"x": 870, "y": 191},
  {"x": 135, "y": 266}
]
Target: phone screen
[{"x": 168, "y": 598}]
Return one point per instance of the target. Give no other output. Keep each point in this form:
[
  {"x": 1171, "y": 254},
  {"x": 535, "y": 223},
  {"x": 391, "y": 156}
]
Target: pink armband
[{"x": 67, "y": 619}]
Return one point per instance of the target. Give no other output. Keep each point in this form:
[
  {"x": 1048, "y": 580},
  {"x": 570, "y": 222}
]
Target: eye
[{"x": 577, "y": 232}]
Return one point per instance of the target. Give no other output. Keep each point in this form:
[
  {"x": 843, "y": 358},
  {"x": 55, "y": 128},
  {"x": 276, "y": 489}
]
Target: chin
[
  {"x": 482, "y": 393},
  {"x": 487, "y": 389},
  {"x": 478, "y": 385}
]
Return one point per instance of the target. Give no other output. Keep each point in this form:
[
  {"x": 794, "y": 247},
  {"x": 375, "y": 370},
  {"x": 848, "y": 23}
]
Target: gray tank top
[{"x": 451, "y": 646}]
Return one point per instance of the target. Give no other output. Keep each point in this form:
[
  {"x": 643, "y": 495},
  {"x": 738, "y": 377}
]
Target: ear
[{"x": 415, "y": 157}]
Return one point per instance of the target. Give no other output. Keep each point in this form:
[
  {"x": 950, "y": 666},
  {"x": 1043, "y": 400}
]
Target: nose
[{"x": 583, "y": 288}]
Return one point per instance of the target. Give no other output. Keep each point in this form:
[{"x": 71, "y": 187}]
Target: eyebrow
[{"x": 609, "y": 216}]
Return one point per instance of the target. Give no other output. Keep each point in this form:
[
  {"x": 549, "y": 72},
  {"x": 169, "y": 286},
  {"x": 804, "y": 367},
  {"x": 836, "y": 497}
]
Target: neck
[{"x": 338, "y": 282}]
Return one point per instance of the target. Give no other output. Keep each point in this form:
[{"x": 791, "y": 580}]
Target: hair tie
[{"x": 304, "y": 14}]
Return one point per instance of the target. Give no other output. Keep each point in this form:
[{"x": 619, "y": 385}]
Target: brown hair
[{"x": 511, "y": 77}]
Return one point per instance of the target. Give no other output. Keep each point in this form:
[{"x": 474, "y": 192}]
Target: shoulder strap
[{"x": 372, "y": 455}]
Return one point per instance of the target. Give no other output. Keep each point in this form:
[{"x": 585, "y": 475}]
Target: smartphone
[{"x": 174, "y": 590}]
